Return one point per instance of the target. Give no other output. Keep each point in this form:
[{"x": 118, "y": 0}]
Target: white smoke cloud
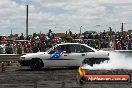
[{"x": 117, "y": 61}]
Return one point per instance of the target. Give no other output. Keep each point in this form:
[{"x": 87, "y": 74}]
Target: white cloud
[
  {"x": 63, "y": 14},
  {"x": 115, "y": 1}
]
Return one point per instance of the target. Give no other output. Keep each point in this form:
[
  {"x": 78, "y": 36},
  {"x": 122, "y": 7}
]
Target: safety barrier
[
  {"x": 15, "y": 57},
  {"x": 9, "y": 57}
]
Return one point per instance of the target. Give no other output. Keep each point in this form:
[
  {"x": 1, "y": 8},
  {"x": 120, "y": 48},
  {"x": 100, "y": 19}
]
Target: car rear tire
[{"x": 36, "y": 64}]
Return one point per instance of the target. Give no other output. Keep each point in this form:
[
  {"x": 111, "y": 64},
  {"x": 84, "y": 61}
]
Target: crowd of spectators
[
  {"x": 42, "y": 42},
  {"x": 114, "y": 40}
]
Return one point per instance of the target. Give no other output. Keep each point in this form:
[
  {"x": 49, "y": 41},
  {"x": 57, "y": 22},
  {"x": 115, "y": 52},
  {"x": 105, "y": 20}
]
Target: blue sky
[{"x": 62, "y": 15}]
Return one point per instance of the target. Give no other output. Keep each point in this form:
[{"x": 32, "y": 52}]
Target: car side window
[
  {"x": 85, "y": 49},
  {"x": 75, "y": 48},
  {"x": 72, "y": 49},
  {"x": 65, "y": 48},
  {"x": 78, "y": 49}
]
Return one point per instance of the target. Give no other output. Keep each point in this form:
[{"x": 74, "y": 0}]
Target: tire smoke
[{"x": 117, "y": 61}]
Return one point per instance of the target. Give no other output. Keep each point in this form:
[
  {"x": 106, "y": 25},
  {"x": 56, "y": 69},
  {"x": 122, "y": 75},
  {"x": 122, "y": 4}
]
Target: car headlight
[{"x": 22, "y": 58}]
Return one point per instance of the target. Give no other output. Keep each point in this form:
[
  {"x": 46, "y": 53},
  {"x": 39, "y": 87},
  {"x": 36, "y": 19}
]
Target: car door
[
  {"x": 55, "y": 57},
  {"x": 73, "y": 56},
  {"x": 82, "y": 52}
]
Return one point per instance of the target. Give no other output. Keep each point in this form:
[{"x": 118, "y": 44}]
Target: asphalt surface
[{"x": 13, "y": 77}]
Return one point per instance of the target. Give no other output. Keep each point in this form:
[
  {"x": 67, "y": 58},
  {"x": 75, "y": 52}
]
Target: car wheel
[{"x": 36, "y": 64}]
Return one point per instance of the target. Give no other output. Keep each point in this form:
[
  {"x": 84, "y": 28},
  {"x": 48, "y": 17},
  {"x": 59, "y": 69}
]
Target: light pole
[
  {"x": 10, "y": 27},
  {"x": 80, "y": 30},
  {"x": 122, "y": 28},
  {"x": 27, "y": 21}
]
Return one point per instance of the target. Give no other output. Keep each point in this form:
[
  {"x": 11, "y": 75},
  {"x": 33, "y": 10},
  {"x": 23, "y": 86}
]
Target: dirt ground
[{"x": 14, "y": 77}]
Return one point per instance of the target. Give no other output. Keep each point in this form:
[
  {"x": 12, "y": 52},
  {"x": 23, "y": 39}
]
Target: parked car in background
[{"x": 89, "y": 34}]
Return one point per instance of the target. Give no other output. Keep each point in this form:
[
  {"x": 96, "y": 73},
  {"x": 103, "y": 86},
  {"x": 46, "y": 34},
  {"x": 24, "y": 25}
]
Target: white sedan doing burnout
[{"x": 64, "y": 55}]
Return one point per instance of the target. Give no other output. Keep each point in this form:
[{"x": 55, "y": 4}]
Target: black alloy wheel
[{"x": 36, "y": 64}]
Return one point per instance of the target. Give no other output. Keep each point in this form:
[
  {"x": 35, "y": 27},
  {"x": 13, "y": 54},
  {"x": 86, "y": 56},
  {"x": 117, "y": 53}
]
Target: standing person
[
  {"x": 54, "y": 40},
  {"x": 118, "y": 45},
  {"x": 22, "y": 36},
  {"x": 42, "y": 46},
  {"x": 14, "y": 48},
  {"x": 2, "y": 67},
  {"x": 129, "y": 44},
  {"x": 19, "y": 49},
  {"x": 50, "y": 34},
  {"x": 35, "y": 49}
]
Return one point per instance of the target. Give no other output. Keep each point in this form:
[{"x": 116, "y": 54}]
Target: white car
[{"x": 65, "y": 54}]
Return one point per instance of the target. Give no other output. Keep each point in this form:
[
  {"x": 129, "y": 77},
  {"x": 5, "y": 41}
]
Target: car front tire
[{"x": 36, "y": 64}]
